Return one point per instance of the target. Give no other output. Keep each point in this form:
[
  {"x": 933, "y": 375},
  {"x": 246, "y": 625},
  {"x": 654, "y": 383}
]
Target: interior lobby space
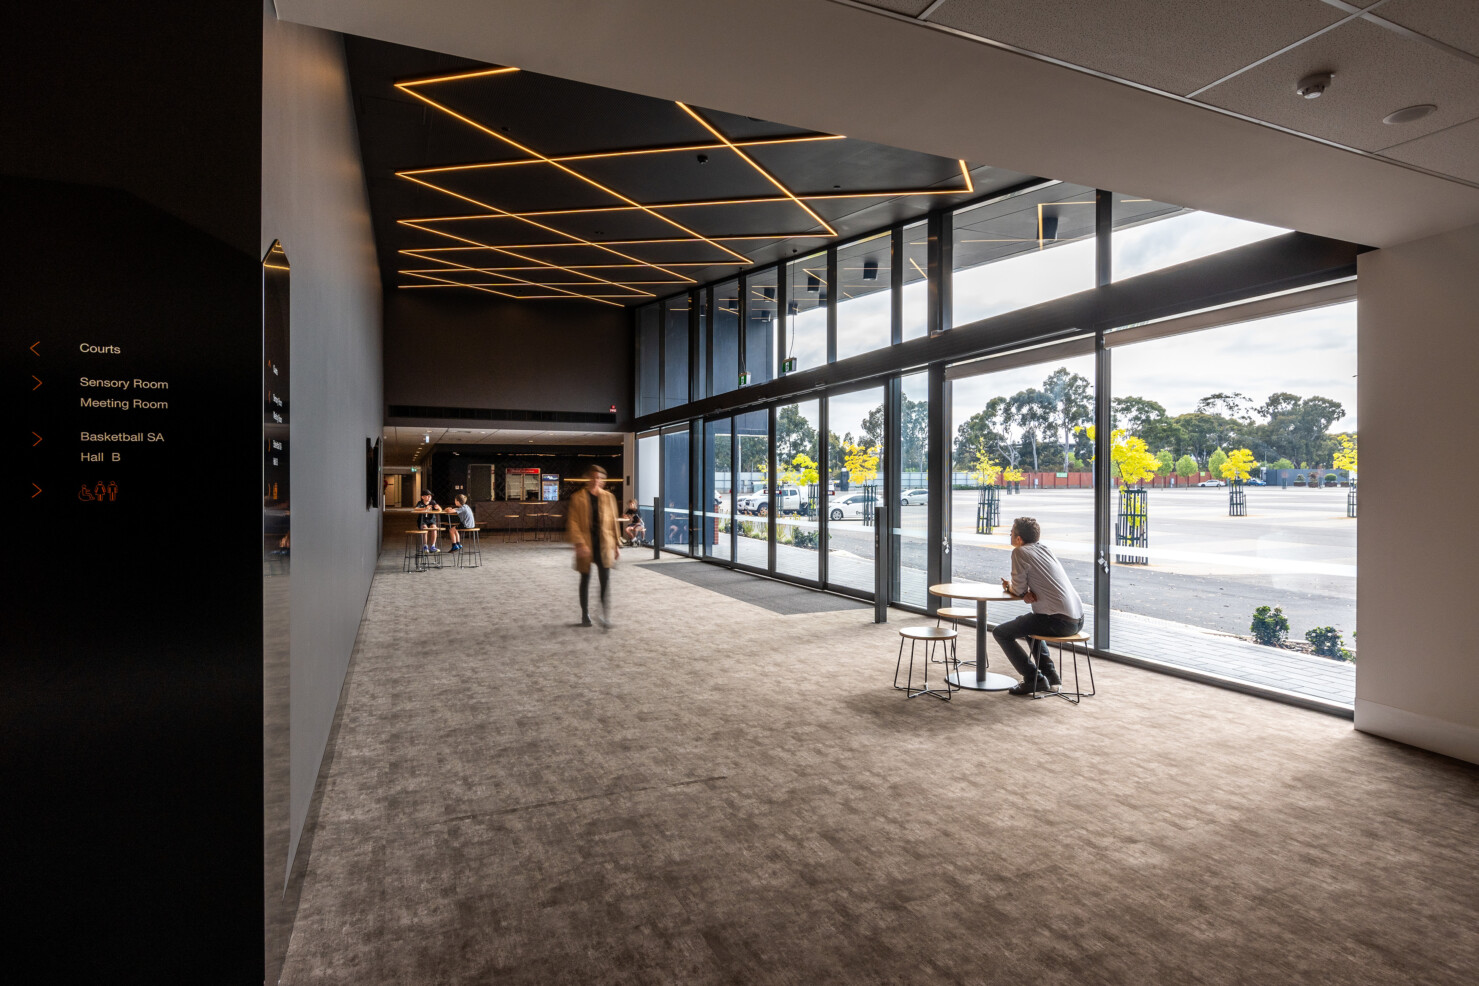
[
  {"x": 722, "y": 788},
  {"x": 355, "y": 347}
]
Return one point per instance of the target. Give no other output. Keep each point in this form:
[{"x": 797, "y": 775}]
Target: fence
[{"x": 1132, "y": 526}]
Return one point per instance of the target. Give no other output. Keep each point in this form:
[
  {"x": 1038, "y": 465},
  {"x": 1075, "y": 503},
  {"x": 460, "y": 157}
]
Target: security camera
[
  {"x": 1313, "y": 86},
  {"x": 703, "y": 159}
]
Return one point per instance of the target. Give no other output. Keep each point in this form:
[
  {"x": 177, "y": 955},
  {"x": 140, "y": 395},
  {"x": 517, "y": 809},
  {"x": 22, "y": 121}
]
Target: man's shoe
[
  {"x": 1032, "y": 687},
  {"x": 585, "y": 621},
  {"x": 1052, "y": 675}
]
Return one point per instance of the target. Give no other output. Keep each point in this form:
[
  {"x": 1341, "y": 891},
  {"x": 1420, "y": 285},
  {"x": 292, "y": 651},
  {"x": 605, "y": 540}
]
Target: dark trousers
[
  {"x": 1048, "y": 625},
  {"x": 585, "y": 588}
]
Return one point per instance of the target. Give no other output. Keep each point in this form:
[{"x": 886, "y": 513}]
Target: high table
[{"x": 982, "y": 593}]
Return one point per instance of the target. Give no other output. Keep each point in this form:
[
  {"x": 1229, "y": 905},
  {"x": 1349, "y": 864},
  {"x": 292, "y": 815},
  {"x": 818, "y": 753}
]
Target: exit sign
[{"x": 788, "y": 365}]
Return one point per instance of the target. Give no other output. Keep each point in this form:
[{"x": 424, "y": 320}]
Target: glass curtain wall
[
  {"x": 725, "y": 338},
  {"x": 855, "y": 450},
  {"x": 675, "y": 352},
  {"x": 1151, "y": 235},
  {"x": 912, "y": 512},
  {"x": 761, "y": 298},
  {"x": 916, "y": 281},
  {"x": 1028, "y": 248},
  {"x": 649, "y": 355},
  {"x": 718, "y": 488},
  {"x": 675, "y": 489},
  {"x": 649, "y": 479},
  {"x": 864, "y": 295},
  {"x": 1022, "y": 448},
  {"x": 806, "y": 311},
  {"x": 799, "y": 491},
  {"x": 752, "y": 529},
  {"x": 1239, "y": 445}
]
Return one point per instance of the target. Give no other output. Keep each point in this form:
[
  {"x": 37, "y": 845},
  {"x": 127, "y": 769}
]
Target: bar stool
[
  {"x": 955, "y": 614},
  {"x": 414, "y": 560},
  {"x": 935, "y": 638},
  {"x": 470, "y": 555},
  {"x": 511, "y": 529},
  {"x": 1073, "y": 641}
]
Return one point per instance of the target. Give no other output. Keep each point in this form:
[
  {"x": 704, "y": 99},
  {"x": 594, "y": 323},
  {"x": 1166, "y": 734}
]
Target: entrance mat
[{"x": 778, "y": 597}]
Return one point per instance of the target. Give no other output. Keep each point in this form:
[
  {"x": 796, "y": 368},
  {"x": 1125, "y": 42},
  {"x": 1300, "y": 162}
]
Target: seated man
[
  {"x": 461, "y": 517},
  {"x": 632, "y": 528},
  {"x": 428, "y": 509},
  {"x": 1038, "y": 577}
]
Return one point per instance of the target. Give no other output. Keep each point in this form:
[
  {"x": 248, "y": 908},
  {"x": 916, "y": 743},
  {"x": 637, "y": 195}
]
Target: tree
[
  {"x": 1238, "y": 465},
  {"x": 1297, "y": 427},
  {"x": 914, "y": 419},
  {"x": 1131, "y": 460},
  {"x": 861, "y": 462},
  {"x": 1069, "y": 394},
  {"x": 1011, "y": 475},
  {"x": 1032, "y": 411},
  {"x": 1281, "y": 464},
  {"x": 872, "y": 428},
  {"x": 1186, "y": 467},
  {"x": 1216, "y": 461},
  {"x": 985, "y": 470},
  {"x": 1134, "y": 413},
  {"x": 1164, "y": 464},
  {"x": 802, "y": 471},
  {"x": 794, "y": 435},
  {"x": 1346, "y": 457},
  {"x": 1205, "y": 432},
  {"x": 1236, "y": 406}
]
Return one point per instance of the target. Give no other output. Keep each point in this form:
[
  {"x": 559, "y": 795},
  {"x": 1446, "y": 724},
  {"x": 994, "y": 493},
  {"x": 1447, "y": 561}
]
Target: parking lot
[{"x": 1296, "y": 548}]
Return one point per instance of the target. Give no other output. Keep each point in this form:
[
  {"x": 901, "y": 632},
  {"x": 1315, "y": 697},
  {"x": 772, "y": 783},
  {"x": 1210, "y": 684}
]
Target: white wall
[
  {"x": 1418, "y": 317},
  {"x": 314, "y": 201}
]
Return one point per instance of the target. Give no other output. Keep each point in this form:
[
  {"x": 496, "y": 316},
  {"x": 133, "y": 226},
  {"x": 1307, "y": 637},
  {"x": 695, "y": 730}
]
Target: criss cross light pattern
[{"x": 521, "y": 270}]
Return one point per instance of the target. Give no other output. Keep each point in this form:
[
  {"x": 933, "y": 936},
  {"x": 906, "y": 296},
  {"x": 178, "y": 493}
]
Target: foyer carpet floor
[{"x": 713, "y": 792}]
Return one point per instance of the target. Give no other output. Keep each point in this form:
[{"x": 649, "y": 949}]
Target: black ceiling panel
[{"x": 614, "y": 149}]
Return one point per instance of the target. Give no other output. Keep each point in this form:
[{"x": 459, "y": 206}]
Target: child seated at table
[
  {"x": 632, "y": 528},
  {"x": 461, "y": 517}
]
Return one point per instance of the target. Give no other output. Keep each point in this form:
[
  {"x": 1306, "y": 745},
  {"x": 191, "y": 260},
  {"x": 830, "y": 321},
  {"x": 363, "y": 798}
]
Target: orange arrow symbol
[
  {"x": 38, "y": 382},
  {"x": 37, "y": 493},
  {"x": 34, "y": 345},
  {"x": 37, "y": 441}
]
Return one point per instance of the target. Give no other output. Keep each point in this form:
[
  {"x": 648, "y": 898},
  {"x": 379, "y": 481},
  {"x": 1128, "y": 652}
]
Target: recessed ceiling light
[
  {"x": 1314, "y": 86},
  {"x": 1409, "y": 113}
]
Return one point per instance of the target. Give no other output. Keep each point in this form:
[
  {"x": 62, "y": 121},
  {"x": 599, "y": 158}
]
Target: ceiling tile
[
  {"x": 1376, "y": 72},
  {"x": 1454, "y": 151},
  {"x": 1451, "y": 21},
  {"x": 911, "y": 7},
  {"x": 1176, "y": 47}
]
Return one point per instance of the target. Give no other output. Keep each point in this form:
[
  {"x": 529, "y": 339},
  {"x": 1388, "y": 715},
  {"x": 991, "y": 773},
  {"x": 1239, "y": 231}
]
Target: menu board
[{"x": 551, "y": 487}]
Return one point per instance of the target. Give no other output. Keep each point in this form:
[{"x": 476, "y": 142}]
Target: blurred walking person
[{"x": 591, "y": 526}]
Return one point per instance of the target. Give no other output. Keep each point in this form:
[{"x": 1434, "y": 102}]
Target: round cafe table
[{"x": 982, "y": 593}]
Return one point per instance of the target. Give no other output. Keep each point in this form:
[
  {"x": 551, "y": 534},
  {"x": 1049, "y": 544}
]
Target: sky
[{"x": 1305, "y": 353}]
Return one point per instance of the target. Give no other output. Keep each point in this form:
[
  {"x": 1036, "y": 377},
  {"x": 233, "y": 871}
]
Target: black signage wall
[{"x": 130, "y": 686}]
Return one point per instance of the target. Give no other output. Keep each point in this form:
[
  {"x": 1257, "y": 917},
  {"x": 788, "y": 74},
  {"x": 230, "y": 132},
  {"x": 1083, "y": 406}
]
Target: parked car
[
  {"x": 911, "y": 497},
  {"x": 849, "y": 506},
  {"x": 787, "y": 501},
  {"x": 1211, "y": 482},
  {"x": 1254, "y": 482}
]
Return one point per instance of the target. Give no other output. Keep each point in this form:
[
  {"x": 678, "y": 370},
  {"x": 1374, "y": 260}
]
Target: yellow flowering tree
[
  {"x": 1130, "y": 457},
  {"x": 860, "y": 462},
  {"x": 986, "y": 469},
  {"x": 802, "y": 471},
  {"x": 1239, "y": 464},
  {"x": 1011, "y": 475},
  {"x": 1346, "y": 457}
]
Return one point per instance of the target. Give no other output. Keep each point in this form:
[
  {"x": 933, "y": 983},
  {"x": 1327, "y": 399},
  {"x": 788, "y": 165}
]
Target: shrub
[
  {"x": 1328, "y": 643},
  {"x": 1270, "y": 626},
  {"x": 807, "y": 538}
]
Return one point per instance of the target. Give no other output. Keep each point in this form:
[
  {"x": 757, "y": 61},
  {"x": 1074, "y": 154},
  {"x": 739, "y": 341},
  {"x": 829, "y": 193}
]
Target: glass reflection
[
  {"x": 799, "y": 491},
  {"x": 649, "y": 334},
  {"x": 761, "y": 293},
  {"x": 911, "y": 570},
  {"x": 675, "y": 352},
  {"x": 1023, "y": 250},
  {"x": 676, "y": 534},
  {"x": 855, "y": 450},
  {"x": 864, "y": 298},
  {"x": 752, "y": 541},
  {"x": 916, "y": 281},
  {"x": 1152, "y": 235},
  {"x": 806, "y": 311},
  {"x": 718, "y": 489},
  {"x": 726, "y": 337}
]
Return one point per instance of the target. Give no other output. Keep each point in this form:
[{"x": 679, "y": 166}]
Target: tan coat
[{"x": 578, "y": 527}]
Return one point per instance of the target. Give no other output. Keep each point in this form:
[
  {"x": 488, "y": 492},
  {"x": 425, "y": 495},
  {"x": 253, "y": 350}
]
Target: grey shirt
[
  {"x": 465, "y": 517},
  {"x": 1036, "y": 569}
]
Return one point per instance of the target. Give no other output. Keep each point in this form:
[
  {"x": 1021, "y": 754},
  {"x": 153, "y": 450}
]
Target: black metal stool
[
  {"x": 470, "y": 555},
  {"x": 955, "y": 614},
  {"x": 934, "y": 638},
  {"x": 415, "y": 558},
  {"x": 1072, "y": 640}
]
